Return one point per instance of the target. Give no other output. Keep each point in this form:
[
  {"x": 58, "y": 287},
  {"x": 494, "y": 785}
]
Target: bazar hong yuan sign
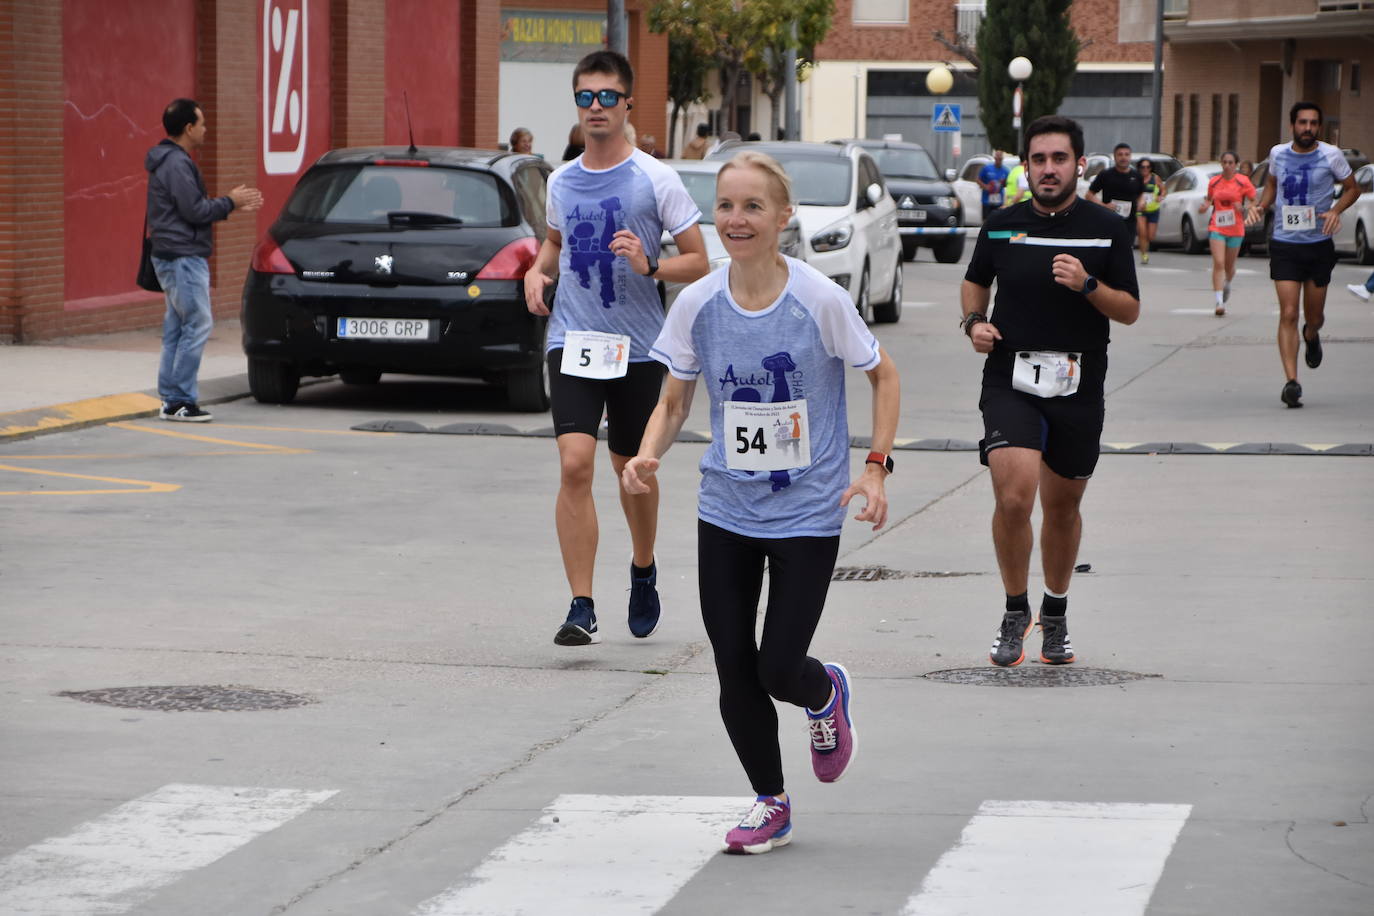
[{"x": 535, "y": 35}]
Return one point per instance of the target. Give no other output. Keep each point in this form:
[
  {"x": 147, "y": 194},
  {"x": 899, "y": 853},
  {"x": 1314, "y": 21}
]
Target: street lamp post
[
  {"x": 1020, "y": 70},
  {"x": 939, "y": 81}
]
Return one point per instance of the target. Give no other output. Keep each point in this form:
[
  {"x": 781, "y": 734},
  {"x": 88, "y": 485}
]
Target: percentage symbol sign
[{"x": 286, "y": 96}]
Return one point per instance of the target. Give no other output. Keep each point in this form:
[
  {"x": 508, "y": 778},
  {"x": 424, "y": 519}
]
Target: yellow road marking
[
  {"x": 91, "y": 410},
  {"x": 178, "y": 434},
  {"x": 134, "y": 486}
]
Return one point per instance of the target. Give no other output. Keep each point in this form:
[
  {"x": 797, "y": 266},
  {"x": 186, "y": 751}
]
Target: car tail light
[
  {"x": 269, "y": 259},
  {"x": 511, "y": 262}
]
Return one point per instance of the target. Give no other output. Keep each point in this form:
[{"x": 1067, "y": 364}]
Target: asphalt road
[{"x": 1210, "y": 752}]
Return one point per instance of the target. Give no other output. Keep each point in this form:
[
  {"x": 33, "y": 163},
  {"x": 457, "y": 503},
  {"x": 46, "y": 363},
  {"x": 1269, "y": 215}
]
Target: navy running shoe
[
  {"x": 580, "y": 627},
  {"x": 644, "y": 606}
]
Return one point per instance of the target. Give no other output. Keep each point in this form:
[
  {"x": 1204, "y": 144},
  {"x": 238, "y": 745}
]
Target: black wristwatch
[
  {"x": 653, "y": 264},
  {"x": 878, "y": 458},
  {"x": 1089, "y": 285}
]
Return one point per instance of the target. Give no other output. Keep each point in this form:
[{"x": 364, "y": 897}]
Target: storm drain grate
[
  {"x": 874, "y": 573},
  {"x": 1036, "y": 676},
  {"x": 190, "y": 698}
]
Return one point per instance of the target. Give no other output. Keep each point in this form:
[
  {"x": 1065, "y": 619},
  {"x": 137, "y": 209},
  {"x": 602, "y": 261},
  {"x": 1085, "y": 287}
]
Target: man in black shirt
[
  {"x": 1063, "y": 270},
  {"x": 1119, "y": 188}
]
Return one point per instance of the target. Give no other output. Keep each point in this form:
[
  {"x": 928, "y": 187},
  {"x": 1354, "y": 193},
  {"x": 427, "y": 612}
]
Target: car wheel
[
  {"x": 864, "y": 305},
  {"x": 950, "y": 252},
  {"x": 527, "y": 390},
  {"x": 1191, "y": 245},
  {"x": 360, "y": 376},
  {"x": 890, "y": 312},
  {"x": 909, "y": 247},
  {"x": 272, "y": 381},
  {"x": 1363, "y": 253}
]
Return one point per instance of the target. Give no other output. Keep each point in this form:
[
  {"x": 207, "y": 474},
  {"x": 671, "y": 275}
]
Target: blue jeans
[{"x": 185, "y": 329}]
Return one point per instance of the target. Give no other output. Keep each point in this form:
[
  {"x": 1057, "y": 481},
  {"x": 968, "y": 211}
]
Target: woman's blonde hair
[{"x": 778, "y": 181}]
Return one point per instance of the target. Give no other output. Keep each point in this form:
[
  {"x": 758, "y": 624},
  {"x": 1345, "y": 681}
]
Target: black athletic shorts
[
  {"x": 1066, "y": 431},
  {"x": 1302, "y": 261},
  {"x": 578, "y": 403}
]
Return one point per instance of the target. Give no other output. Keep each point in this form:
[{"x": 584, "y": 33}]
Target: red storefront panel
[{"x": 422, "y": 63}]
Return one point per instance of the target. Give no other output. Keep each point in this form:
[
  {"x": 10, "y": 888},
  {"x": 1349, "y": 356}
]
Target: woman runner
[
  {"x": 1225, "y": 195},
  {"x": 770, "y": 337},
  {"x": 1147, "y": 208}
]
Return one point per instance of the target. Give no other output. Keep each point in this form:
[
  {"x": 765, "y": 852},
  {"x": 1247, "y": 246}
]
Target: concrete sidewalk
[{"x": 82, "y": 381}]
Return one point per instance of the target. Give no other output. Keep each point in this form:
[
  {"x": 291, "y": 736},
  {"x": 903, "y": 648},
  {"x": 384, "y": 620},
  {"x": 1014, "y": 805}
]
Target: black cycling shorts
[
  {"x": 1302, "y": 261},
  {"x": 627, "y": 402},
  {"x": 1066, "y": 431}
]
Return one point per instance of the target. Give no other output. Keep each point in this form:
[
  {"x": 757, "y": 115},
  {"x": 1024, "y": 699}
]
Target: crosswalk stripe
[
  {"x": 117, "y": 861},
  {"x": 599, "y": 855},
  {"x": 1042, "y": 857}
]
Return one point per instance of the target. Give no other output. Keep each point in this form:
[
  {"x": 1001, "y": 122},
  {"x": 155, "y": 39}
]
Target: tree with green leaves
[
  {"x": 1038, "y": 30},
  {"x": 777, "y": 27},
  {"x": 691, "y": 49}
]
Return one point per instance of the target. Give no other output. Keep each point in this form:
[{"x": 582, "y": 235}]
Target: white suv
[{"x": 848, "y": 219}]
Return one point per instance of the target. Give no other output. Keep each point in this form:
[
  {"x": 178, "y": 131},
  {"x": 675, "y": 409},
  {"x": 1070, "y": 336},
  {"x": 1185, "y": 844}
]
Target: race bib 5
[
  {"x": 1046, "y": 373},
  {"x": 595, "y": 354},
  {"x": 767, "y": 437}
]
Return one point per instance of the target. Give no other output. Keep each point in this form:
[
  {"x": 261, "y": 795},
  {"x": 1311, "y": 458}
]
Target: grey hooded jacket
[{"x": 179, "y": 210}]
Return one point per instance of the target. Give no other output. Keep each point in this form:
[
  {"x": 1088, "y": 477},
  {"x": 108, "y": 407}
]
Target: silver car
[
  {"x": 699, "y": 177},
  {"x": 1180, "y": 223},
  {"x": 1356, "y": 235}
]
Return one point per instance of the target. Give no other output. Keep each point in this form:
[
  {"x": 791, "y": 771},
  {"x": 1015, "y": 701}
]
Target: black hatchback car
[
  {"x": 924, "y": 199},
  {"x": 395, "y": 259}
]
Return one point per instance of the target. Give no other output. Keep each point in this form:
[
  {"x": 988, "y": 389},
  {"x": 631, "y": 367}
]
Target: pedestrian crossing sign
[{"x": 945, "y": 117}]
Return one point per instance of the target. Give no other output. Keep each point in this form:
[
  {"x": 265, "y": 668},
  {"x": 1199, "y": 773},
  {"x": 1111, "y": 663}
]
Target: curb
[{"x": 39, "y": 421}]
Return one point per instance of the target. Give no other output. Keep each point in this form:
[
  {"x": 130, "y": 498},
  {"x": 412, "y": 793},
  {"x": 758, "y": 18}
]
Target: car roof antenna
[{"x": 409, "y": 129}]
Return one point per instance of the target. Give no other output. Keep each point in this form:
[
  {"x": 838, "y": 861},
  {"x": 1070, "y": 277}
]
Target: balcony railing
[{"x": 968, "y": 15}]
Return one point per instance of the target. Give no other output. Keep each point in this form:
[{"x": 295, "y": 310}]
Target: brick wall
[
  {"x": 479, "y": 69},
  {"x": 1095, "y": 20},
  {"x": 358, "y": 69},
  {"x": 31, "y": 259}
]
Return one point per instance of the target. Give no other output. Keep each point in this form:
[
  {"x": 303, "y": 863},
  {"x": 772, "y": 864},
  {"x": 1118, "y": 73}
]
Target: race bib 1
[
  {"x": 1122, "y": 208},
  {"x": 1299, "y": 219},
  {"x": 1046, "y": 373},
  {"x": 767, "y": 437},
  {"x": 595, "y": 354},
  {"x": 1226, "y": 217}
]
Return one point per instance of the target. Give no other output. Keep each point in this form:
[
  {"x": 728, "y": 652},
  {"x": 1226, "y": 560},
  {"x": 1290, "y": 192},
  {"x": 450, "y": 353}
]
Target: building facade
[
  {"x": 1234, "y": 67},
  {"x": 83, "y": 84}
]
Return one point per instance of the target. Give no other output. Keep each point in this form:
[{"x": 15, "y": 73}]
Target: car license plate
[
  {"x": 919, "y": 215},
  {"x": 383, "y": 329}
]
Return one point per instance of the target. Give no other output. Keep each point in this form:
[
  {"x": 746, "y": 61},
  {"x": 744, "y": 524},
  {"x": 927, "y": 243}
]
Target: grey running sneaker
[
  {"x": 185, "y": 413},
  {"x": 1313, "y": 352},
  {"x": 580, "y": 627},
  {"x": 1056, "y": 650},
  {"x": 1009, "y": 649},
  {"x": 1292, "y": 393}
]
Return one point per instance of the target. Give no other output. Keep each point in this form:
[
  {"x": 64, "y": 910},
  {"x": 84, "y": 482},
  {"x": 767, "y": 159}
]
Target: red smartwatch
[{"x": 879, "y": 458}]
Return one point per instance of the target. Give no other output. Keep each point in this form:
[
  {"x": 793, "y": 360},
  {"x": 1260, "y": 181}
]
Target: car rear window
[
  {"x": 906, "y": 163},
  {"x": 820, "y": 182},
  {"x": 702, "y": 187},
  {"x": 366, "y": 194}
]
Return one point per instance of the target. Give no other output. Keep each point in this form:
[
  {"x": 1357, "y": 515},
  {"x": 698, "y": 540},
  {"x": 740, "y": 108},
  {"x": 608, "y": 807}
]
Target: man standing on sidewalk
[
  {"x": 1302, "y": 176},
  {"x": 607, "y": 211},
  {"x": 180, "y": 213},
  {"x": 1064, "y": 271}
]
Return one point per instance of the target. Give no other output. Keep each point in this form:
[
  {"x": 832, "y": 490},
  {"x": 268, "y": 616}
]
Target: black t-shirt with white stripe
[{"x": 1017, "y": 247}]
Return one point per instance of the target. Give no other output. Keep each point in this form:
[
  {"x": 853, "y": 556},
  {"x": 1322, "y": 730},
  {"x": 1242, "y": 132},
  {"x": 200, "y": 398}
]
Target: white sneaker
[{"x": 1359, "y": 290}]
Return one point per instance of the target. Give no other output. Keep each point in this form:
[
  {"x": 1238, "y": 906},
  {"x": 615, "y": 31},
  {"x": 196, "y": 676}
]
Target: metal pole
[
  {"x": 791, "y": 117},
  {"x": 616, "y": 37},
  {"x": 1017, "y": 104},
  {"x": 1159, "y": 78}
]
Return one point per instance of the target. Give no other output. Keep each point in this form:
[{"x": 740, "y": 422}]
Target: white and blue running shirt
[
  {"x": 796, "y": 348},
  {"x": 1305, "y": 179},
  {"x": 597, "y": 290}
]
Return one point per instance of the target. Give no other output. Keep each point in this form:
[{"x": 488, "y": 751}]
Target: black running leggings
[{"x": 730, "y": 578}]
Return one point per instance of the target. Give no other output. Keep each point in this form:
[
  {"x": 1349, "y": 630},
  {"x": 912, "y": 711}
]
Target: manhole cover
[
  {"x": 856, "y": 574},
  {"x": 1036, "y": 676},
  {"x": 874, "y": 573},
  {"x": 187, "y": 698}
]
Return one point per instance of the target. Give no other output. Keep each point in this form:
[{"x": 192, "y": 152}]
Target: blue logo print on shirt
[
  {"x": 1295, "y": 184},
  {"x": 587, "y": 250}
]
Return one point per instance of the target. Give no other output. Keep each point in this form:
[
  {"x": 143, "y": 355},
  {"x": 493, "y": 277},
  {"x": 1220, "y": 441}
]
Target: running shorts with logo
[
  {"x": 577, "y": 404},
  {"x": 1067, "y": 431}
]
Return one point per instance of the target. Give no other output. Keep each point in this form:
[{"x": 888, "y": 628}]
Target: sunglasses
[{"x": 609, "y": 98}]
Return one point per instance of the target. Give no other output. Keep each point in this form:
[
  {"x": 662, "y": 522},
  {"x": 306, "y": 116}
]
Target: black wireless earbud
[{"x": 629, "y": 106}]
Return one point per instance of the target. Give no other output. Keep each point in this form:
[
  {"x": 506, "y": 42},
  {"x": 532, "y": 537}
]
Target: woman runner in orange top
[{"x": 1226, "y": 195}]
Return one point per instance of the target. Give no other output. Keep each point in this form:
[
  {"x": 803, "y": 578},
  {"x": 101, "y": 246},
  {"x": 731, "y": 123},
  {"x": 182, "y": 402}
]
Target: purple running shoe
[
  {"x": 767, "y": 825},
  {"x": 833, "y": 738}
]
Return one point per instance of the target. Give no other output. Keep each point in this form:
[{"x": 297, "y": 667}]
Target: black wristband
[{"x": 970, "y": 320}]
